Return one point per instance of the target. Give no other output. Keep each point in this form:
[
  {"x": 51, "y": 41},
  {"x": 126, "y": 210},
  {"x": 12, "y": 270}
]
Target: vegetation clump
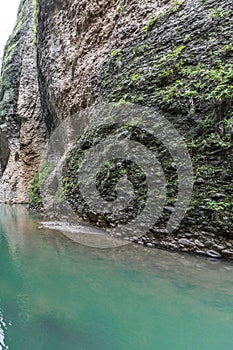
[{"x": 35, "y": 199}]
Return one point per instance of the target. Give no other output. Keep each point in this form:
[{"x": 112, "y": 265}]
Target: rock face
[
  {"x": 75, "y": 38},
  {"x": 23, "y": 131},
  {"x": 176, "y": 56}
]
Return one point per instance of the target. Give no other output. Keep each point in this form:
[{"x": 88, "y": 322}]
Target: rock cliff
[
  {"x": 23, "y": 131},
  {"x": 176, "y": 56}
]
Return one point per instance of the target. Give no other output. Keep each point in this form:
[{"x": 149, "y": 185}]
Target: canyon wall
[
  {"x": 23, "y": 131},
  {"x": 176, "y": 56}
]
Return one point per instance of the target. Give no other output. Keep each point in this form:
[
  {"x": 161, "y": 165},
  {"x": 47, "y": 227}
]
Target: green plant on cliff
[
  {"x": 226, "y": 50},
  {"x": 136, "y": 76},
  {"x": 35, "y": 27},
  {"x": 197, "y": 82},
  {"x": 218, "y": 13},
  {"x": 218, "y": 206},
  {"x": 35, "y": 199},
  {"x": 152, "y": 22},
  {"x": 9, "y": 51},
  {"x": 120, "y": 9},
  {"x": 116, "y": 52},
  {"x": 174, "y": 6}
]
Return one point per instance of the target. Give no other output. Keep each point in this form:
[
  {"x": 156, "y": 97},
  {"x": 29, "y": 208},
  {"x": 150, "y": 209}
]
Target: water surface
[{"x": 57, "y": 294}]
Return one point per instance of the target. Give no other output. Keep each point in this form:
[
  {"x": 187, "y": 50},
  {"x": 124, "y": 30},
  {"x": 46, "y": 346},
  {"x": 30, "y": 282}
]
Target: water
[{"x": 57, "y": 294}]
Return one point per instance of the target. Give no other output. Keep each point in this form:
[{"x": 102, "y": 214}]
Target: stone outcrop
[{"x": 64, "y": 56}]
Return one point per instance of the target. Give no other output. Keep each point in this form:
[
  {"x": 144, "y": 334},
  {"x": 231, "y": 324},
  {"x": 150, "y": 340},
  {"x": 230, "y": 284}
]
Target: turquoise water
[{"x": 57, "y": 294}]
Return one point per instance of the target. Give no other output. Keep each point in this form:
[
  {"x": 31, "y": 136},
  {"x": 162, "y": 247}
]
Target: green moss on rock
[
  {"x": 35, "y": 199},
  {"x": 188, "y": 74},
  {"x": 35, "y": 27}
]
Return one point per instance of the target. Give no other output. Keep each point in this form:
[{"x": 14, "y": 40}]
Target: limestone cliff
[
  {"x": 22, "y": 128},
  {"x": 64, "y": 56}
]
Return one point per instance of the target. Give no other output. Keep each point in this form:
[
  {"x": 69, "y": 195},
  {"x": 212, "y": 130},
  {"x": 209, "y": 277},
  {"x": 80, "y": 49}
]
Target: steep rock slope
[
  {"x": 23, "y": 131},
  {"x": 171, "y": 55}
]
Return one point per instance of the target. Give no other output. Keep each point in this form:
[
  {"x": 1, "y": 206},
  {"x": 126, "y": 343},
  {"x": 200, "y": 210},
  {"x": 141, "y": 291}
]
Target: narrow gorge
[{"x": 174, "y": 57}]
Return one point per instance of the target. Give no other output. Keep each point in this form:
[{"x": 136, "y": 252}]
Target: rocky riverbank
[{"x": 204, "y": 243}]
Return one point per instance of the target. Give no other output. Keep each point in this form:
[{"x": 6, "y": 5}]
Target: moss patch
[
  {"x": 35, "y": 27},
  {"x": 35, "y": 200}
]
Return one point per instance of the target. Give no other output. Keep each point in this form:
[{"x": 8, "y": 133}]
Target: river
[{"x": 58, "y": 294}]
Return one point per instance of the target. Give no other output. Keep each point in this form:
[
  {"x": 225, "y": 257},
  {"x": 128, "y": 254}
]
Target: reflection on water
[
  {"x": 58, "y": 294},
  {"x": 16, "y": 224}
]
